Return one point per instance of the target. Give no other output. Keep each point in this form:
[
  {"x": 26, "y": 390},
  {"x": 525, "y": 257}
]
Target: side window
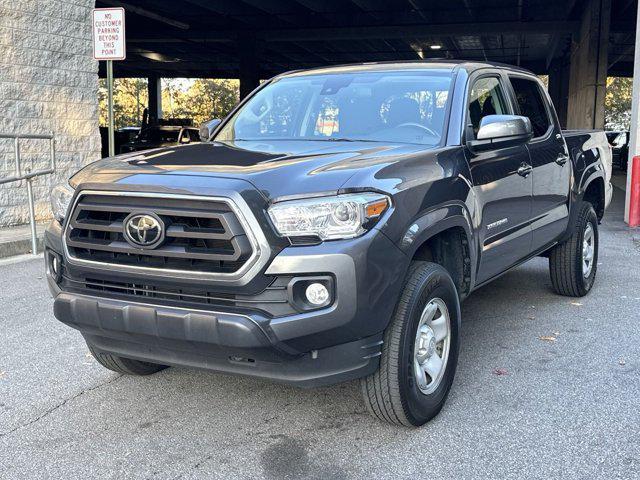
[
  {"x": 485, "y": 98},
  {"x": 532, "y": 105},
  {"x": 169, "y": 135}
]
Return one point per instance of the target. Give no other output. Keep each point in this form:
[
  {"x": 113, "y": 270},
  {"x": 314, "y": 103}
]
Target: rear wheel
[
  {"x": 420, "y": 350},
  {"x": 126, "y": 366},
  {"x": 573, "y": 264}
]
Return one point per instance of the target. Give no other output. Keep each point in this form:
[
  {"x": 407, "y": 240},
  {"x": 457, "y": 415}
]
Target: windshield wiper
[
  {"x": 338, "y": 139},
  {"x": 303, "y": 139}
]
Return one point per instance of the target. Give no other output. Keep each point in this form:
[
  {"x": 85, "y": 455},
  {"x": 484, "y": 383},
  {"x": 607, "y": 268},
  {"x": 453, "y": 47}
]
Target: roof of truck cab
[{"x": 430, "y": 64}]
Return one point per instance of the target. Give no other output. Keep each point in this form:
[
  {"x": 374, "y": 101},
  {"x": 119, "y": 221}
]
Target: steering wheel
[
  {"x": 256, "y": 117},
  {"x": 417, "y": 125}
]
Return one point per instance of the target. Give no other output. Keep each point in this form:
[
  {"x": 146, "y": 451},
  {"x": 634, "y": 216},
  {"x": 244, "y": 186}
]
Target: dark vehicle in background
[
  {"x": 155, "y": 136},
  {"x": 126, "y": 135},
  {"x": 121, "y": 136},
  {"x": 329, "y": 229},
  {"x": 619, "y": 142}
]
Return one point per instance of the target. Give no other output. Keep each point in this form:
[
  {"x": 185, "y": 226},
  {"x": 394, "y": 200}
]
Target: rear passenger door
[
  {"x": 549, "y": 158},
  {"x": 503, "y": 195}
]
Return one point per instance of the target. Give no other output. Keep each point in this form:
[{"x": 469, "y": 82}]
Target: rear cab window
[{"x": 531, "y": 104}]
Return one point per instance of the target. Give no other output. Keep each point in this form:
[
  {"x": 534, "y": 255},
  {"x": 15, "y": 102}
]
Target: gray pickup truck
[{"x": 329, "y": 228}]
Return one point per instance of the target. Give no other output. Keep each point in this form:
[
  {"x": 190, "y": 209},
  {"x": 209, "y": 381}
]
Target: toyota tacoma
[{"x": 328, "y": 229}]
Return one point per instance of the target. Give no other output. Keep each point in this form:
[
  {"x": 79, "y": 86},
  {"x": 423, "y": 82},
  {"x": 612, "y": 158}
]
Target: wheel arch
[
  {"x": 593, "y": 191},
  {"x": 444, "y": 236}
]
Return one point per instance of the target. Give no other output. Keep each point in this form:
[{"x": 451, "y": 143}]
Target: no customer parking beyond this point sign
[{"x": 108, "y": 34}]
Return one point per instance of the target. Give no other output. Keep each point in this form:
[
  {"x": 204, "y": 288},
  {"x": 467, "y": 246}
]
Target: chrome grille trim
[{"x": 257, "y": 260}]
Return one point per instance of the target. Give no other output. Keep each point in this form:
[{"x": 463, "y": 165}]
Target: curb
[{"x": 19, "y": 246}]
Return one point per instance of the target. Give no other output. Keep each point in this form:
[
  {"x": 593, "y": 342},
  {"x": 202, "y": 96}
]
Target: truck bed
[{"x": 588, "y": 142}]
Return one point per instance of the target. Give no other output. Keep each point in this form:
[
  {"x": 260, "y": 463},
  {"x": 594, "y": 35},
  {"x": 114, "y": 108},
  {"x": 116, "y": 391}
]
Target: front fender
[{"x": 435, "y": 221}]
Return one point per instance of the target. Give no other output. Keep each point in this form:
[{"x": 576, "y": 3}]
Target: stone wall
[{"x": 48, "y": 84}]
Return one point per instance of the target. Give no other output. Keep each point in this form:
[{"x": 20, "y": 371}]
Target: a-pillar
[
  {"x": 588, "y": 77},
  {"x": 155, "y": 99}
]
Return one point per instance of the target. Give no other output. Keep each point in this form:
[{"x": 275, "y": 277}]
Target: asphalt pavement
[{"x": 547, "y": 387}]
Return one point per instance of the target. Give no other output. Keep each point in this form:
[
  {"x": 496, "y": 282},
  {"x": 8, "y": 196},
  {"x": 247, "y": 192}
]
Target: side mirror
[
  {"x": 500, "y": 131},
  {"x": 207, "y": 128},
  {"x": 185, "y": 139}
]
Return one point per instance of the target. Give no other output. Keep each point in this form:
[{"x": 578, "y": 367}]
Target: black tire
[
  {"x": 565, "y": 259},
  {"x": 392, "y": 393},
  {"x": 125, "y": 366}
]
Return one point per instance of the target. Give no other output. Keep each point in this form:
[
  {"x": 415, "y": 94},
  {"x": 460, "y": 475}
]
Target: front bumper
[
  {"x": 211, "y": 340},
  {"x": 333, "y": 344}
]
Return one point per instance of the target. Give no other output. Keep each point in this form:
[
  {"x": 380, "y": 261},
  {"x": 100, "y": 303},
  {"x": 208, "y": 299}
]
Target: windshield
[{"x": 389, "y": 106}]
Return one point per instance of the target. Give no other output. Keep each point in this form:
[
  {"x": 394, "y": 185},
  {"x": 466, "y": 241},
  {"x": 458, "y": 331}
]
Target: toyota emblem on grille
[{"x": 143, "y": 230}]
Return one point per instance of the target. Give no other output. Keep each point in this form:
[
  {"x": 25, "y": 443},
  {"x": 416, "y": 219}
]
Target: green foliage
[
  {"x": 200, "y": 99},
  {"x": 545, "y": 80},
  {"x": 203, "y": 100},
  {"x": 130, "y": 98},
  {"x": 617, "y": 103}
]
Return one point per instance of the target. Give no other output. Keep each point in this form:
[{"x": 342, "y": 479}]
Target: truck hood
[{"x": 276, "y": 168}]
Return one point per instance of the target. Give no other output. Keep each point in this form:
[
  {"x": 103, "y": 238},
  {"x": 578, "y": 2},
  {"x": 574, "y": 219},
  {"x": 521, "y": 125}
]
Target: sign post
[
  {"x": 109, "y": 44},
  {"x": 112, "y": 145}
]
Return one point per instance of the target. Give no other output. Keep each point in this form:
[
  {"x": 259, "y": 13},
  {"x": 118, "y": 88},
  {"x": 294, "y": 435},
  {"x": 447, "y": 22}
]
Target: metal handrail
[{"x": 29, "y": 175}]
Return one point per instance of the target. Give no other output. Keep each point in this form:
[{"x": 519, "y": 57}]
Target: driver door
[{"x": 503, "y": 188}]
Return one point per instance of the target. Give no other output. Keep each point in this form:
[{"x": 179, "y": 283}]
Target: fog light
[
  {"x": 317, "y": 294},
  {"x": 54, "y": 265}
]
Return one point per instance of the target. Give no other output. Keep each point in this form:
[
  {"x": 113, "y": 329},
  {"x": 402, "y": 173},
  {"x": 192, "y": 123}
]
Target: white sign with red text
[{"x": 108, "y": 34}]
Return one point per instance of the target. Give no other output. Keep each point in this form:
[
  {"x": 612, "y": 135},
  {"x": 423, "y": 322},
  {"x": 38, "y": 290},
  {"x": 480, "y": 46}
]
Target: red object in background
[{"x": 634, "y": 200}]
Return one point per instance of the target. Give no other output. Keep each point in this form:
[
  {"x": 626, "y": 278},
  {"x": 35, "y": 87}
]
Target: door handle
[
  {"x": 525, "y": 169},
  {"x": 562, "y": 159}
]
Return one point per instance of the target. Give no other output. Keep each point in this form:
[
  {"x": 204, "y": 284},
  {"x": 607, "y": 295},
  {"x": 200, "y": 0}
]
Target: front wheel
[
  {"x": 420, "y": 350},
  {"x": 573, "y": 263},
  {"x": 125, "y": 366}
]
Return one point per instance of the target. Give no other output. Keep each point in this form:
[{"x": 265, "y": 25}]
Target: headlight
[
  {"x": 329, "y": 218},
  {"x": 60, "y": 199}
]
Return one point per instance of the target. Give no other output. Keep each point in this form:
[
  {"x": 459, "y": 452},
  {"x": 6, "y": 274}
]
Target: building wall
[
  {"x": 588, "y": 71},
  {"x": 48, "y": 84}
]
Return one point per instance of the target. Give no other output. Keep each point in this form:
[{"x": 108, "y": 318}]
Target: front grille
[{"x": 200, "y": 235}]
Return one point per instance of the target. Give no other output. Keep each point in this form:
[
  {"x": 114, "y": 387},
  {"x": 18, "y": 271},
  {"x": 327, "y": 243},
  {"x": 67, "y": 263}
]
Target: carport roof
[{"x": 208, "y": 38}]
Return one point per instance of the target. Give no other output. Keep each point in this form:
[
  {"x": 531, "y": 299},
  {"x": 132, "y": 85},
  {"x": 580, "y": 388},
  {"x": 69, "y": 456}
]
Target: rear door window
[{"x": 531, "y": 104}]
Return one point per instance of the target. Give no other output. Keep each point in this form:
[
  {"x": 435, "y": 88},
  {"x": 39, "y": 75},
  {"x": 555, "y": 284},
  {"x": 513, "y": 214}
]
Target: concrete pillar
[
  {"x": 634, "y": 140},
  {"x": 559, "y": 88},
  {"x": 155, "y": 99},
  {"x": 588, "y": 77},
  {"x": 249, "y": 67}
]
